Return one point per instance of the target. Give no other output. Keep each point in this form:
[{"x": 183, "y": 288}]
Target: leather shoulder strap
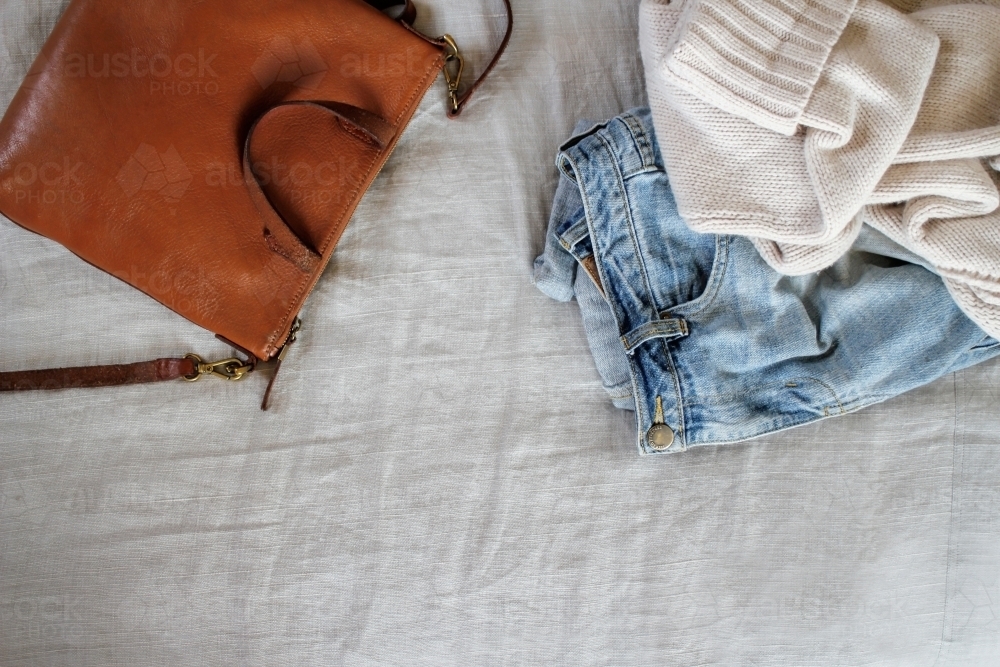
[
  {"x": 467, "y": 95},
  {"x": 159, "y": 370},
  {"x": 409, "y": 15}
]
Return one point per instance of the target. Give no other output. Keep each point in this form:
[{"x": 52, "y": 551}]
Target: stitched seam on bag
[
  {"x": 356, "y": 133},
  {"x": 308, "y": 279},
  {"x": 421, "y": 35},
  {"x": 423, "y": 86},
  {"x": 434, "y": 69},
  {"x": 275, "y": 246}
]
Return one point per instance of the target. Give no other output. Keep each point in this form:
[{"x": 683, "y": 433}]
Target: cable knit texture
[
  {"x": 757, "y": 60},
  {"x": 795, "y": 123},
  {"x": 715, "y": 159},
  {"x": 948, "y": 210},
  {"x": 864, "y": 105},
  {"x": 733, "y": 175}
]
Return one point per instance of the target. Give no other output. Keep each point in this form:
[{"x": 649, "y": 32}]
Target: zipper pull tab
[{"x": 293, "y": 336}]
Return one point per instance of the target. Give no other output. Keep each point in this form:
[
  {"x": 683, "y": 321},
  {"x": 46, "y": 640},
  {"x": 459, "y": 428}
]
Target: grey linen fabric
[{"x": 442, "y": 481}]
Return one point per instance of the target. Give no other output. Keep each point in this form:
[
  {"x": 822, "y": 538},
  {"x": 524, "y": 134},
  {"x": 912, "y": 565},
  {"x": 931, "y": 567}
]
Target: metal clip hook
[
  {"x": 231, "y": 369},
  {"x": 454, "y": 68}
]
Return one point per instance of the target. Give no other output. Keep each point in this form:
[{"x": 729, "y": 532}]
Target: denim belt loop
[{"x": 668, "y": 329}]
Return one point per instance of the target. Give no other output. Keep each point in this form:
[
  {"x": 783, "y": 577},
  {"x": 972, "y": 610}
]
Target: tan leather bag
[{"x": 211, "y": 153}]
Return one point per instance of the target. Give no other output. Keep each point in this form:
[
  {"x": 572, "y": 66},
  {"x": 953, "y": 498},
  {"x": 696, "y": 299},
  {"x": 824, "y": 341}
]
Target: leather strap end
[
  {"x": 409, "y": 14},
  {"x": 467, "y": 95},
  {"x": 158, "y": 370},
  {"x": 265, "y": 405}
]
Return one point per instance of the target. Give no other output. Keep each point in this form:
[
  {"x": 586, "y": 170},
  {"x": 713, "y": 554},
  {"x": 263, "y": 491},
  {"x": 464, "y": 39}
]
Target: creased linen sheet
[{"x": 441, "y": 480}]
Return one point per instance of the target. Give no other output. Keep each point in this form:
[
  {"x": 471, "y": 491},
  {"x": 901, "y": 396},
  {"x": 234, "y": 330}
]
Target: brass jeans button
[{"x": 660, "y": 437}]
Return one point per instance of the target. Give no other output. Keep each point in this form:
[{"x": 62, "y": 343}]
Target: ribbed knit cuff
[{"x": 756, "y": 59}]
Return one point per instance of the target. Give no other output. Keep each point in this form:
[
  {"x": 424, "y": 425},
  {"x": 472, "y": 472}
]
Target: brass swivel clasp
[
  {"x": 231, "y": 369},
  {"x": 454, "y": 68}
]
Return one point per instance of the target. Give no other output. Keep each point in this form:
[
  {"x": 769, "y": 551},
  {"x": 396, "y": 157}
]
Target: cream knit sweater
[{"x": 795, "y": 121}]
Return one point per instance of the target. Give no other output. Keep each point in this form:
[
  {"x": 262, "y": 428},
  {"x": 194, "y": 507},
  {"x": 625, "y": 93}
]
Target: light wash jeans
[{"x": 705, "y": 342}]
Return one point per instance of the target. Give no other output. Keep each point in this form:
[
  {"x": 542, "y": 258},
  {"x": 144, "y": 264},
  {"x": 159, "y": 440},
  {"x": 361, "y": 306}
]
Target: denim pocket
[{"x": 716, "y": 278}]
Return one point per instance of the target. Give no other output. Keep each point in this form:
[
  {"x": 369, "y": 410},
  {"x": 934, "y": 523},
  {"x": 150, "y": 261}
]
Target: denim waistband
[{"x": 703, "y": 340}]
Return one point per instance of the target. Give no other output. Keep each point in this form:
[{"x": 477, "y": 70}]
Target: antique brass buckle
[
  {"x": 454, "y": 68},
  {"x": 234, "y": 369},
  {"x": 231, "y": 369}
]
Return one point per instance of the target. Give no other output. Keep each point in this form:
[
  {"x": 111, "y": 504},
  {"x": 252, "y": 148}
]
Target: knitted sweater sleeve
[{"x": 758, "y": 60}]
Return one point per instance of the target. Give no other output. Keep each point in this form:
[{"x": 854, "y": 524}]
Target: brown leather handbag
[{"x": 211, "y": 153}]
